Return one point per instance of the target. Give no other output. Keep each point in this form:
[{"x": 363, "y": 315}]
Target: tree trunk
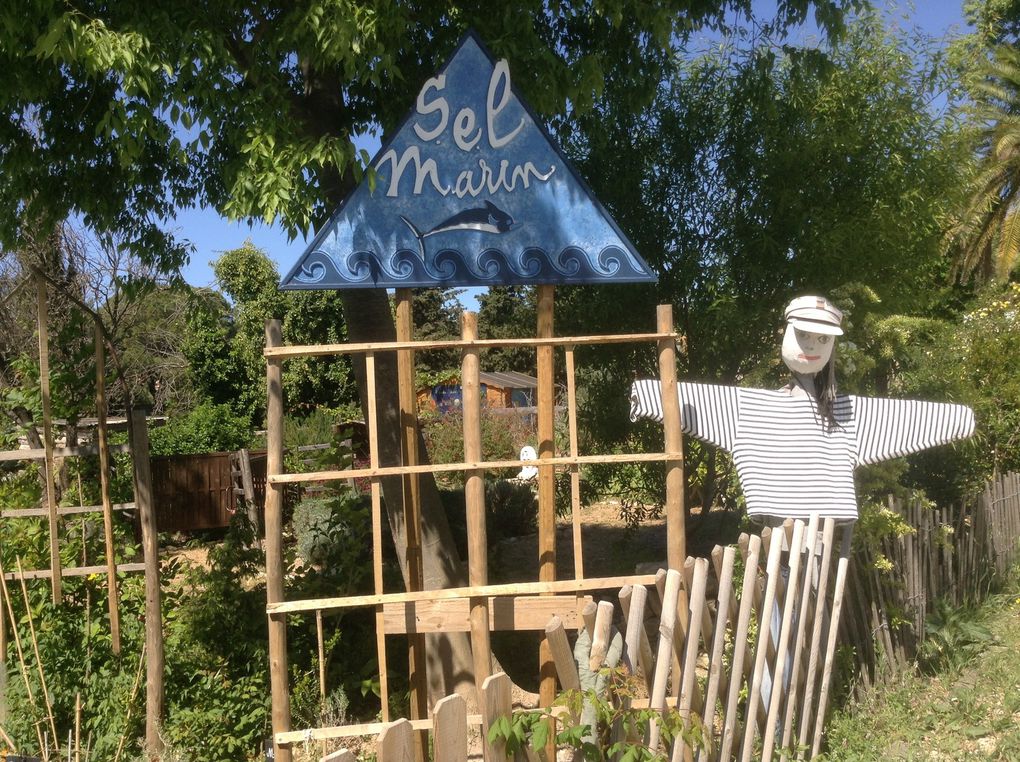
[{"x": 369, "y": 319}]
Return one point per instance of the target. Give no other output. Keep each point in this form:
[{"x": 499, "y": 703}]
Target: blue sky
[{"x": 211, "y": 234}]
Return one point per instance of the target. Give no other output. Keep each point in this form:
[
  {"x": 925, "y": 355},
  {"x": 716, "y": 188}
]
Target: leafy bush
[
  {"x": 503, "y": 436},
  {"x": 207, "y": 428},
  {"x": 333, "y": 532}
]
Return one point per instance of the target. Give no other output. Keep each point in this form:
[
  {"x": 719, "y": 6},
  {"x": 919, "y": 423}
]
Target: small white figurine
[{"x": 796, "y": 448}]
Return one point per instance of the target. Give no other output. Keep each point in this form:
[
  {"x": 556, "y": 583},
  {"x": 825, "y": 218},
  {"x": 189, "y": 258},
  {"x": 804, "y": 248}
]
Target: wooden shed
[{"x": 501, "y": 389}]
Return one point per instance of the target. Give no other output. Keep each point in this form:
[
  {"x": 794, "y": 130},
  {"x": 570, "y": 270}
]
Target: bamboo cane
[{"x": 38, "y": 659}]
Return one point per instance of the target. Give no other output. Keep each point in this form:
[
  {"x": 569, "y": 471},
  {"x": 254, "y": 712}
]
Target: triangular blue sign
[{"x": 471, "y": 191}]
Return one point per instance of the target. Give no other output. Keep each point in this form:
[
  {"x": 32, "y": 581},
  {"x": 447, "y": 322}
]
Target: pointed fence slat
[{"x": 451, "y": 729}]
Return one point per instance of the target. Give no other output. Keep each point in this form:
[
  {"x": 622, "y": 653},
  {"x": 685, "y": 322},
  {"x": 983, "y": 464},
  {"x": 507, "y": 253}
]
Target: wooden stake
[
  {"x": 664, "y": 657},
  {"x": 600, "y": 635},
  {"x": 17, "y": 637},
  {"x": 322, "y": 656},
  {"x": 377, "y": 560},
  {"x": 38, "y": 659},
  {"x": 639, "y": 650},
  {"x": 279, "y": 688},
  {"x": 3, "y": 663},
  {"x": 830, "y": 646},
  {"x": 546, "y": 476},
  {"x": 681, "y": 749},
  {"x": 474, "y": 499},
  {"x": 44, "y": 385},
  {"x": 104, "y": 489},
  {"x": 131, "y": 704},
  {"x": 77, "y": 727},
  {"x": 676, "y": 529},
  {"x": 724, "y": 599},
  {"x": 778, "y": 688},
  {"x": 154, "y": 696},
  {"x": 417, "y": 677},
  {"x": 566, "y": 667}
]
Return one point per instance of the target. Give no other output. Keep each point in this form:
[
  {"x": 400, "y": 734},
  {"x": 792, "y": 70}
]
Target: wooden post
[
  {"x": 248, "y": 487},
  {"x": 44, "y": 386},
  {"x": 274, "y": 542},
  {"x": 377, "y": 550},
  {"x": 575, "y": 472},
  {"x": 153, "y": 616},
  {"x": 104, "y": 489},
  {"x": 417, "y": 675},
  {"x": 474, "y": 499},
  {"x": 3, "y": 662},
  {"x": 546, "y": 477},
  {"x": 676, "y": 528}
]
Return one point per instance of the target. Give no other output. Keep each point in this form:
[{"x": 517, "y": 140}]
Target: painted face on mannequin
[{"x": 806, "y": 352}]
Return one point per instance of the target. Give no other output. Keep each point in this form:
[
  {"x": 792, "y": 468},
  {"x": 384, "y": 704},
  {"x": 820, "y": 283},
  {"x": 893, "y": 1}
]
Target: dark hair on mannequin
[{"x": 825, "y": 391}]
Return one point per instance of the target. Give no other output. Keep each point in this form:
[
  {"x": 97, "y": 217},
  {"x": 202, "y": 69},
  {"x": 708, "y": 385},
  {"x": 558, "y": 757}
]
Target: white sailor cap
[{"x": 815, "y": 314}]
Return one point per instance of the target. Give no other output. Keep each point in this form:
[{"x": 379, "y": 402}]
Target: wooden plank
[
  {"x": 59, "y": 452},
  {"x": 75, "y": 571},
  {"x": 69, "y": 510},
  {"x": 44, "y": 386},
  {"x": 676, "y": 530},
  {"x": 367, "y": 473},
  {"x": 279, "y": 679},
  {"x": 340, "y": 755},
  {"x": 474, "y": 499},
  {"x": 575, "y": 473},
  {"x": 451, "y": 723},
  {"x": 512, "y": 588},
  {"x": 354, "y": 731},
  {"x": 411, "y": 492},
  {"x": 319, "y": 350},
  {"x": 524, "y": 613},
  {"x": 154, "y": 659},
  {"x": 396, "y": 742}
]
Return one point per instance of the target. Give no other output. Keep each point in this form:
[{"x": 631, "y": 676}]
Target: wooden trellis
[
  {"x": 143, "y": 504},
  {"x": 487, "y": 607}
]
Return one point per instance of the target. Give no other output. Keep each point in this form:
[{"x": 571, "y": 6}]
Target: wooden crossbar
[
  {"x": 70, "y": 510},
  {"x": 317, "y": 350},
  {"x": 369, "y": 473},
  {"x": 73, "y": 571},
  {"x": 514, "y": 588},
  {"x": 59, "y": 452}
]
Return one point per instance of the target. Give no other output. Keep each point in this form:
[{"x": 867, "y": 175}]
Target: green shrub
[{"x": 207, "y": 428}]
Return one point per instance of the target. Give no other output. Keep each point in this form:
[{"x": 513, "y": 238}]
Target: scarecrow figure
[{"x": 796, "y": 448}]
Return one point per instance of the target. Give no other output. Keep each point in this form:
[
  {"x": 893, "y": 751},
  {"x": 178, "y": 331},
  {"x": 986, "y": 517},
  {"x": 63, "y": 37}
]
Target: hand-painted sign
[{"x": 470, "y": 191}]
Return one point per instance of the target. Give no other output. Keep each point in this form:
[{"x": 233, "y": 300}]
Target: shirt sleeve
[
  {"x": 707, "y": 411},
  {"x": 888, "y": 428}
]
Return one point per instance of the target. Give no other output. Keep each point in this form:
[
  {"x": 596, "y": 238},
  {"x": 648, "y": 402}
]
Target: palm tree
[{"x": 985, "y": 239}]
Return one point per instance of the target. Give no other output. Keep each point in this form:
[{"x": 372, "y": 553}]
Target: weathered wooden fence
[{"x": 957, "y": 553}]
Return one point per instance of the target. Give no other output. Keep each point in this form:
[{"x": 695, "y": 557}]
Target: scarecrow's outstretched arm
[
  {"x": 707, "y": 411},
  {"x": 889, "y": 428}
]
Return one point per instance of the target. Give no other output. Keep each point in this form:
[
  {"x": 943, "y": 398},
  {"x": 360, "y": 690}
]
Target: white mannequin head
[
  {"x": 806, "y": 352},
  {"x": 812, "y": 325}
]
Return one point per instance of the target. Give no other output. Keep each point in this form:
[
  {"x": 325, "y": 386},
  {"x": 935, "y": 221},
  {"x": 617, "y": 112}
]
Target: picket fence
[{"x": 782, "y": 603}]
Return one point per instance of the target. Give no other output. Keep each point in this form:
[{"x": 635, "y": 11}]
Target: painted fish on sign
[{"x": 470, "y": 191}]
